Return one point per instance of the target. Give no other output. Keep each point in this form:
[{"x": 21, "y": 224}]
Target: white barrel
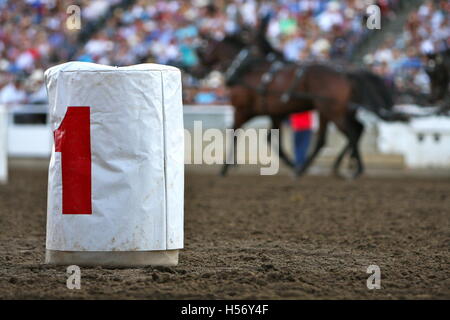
[
  {"x": 3, "y": 145},
  {"x": 116, "y": 174}
]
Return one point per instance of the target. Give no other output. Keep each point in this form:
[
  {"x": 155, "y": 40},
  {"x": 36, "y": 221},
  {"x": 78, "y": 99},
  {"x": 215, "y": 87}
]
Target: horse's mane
[
  {"x": 261, "y": 40},
  {"x": 258, "y": 39},
  {"x": 234, "y": 40}
]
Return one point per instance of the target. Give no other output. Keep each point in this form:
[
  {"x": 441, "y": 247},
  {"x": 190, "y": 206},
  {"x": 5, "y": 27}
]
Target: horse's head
[
  {"x": 218, "y": 54},
  {"x": 438, "y": 72}
]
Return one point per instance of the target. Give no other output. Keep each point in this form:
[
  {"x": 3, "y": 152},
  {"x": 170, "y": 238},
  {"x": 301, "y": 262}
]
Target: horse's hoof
[
  {"x": 353, "y": 173},
  {"x": 225, "y": 168},
  {"x": 349, "y": 177},
  {"x": 356, "y": 175},
  {"x": 293, "y": 175},
  {"x": 290, "y": 164},
  {"x": 353, "y": 165},
  {"x": 342, "y": 176},
  {"x": 339, "y": 176},
  {"x": 298, "y": 172}
]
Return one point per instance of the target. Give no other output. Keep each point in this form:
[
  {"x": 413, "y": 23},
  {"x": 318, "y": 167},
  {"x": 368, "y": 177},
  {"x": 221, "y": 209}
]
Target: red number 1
[{"x": 73, "y": 140}]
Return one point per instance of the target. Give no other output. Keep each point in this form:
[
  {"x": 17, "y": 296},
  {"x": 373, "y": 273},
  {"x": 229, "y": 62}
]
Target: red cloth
[{"x": 301, "y": 121}]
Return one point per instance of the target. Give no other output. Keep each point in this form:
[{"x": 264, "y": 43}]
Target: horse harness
[{"x": 242, "y": 62}]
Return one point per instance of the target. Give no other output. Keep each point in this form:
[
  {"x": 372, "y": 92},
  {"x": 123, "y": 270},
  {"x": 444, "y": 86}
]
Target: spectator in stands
[
  {"x": 13, "y": 93},
  {"x": 330, "y": 17},
  {"x": 33, "y": 36},
  {"x": 37, "y": 92},
  {"x": 427, "y": 30}
]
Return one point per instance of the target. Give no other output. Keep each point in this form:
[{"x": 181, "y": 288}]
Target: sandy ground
[{"x": 256, "y": 237}]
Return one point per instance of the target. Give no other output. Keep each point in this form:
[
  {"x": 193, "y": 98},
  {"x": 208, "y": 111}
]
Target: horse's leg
[
  {"x": 276, "y": 124},
  {"x": 225, "y": 166},
  {"x": 337, "y": 162},
  {"x": 321, "y": 140},
  {"x": 356, "y": 130},
  {"x": 240, "y": 117},
  {"x": 352, "y": 129}
]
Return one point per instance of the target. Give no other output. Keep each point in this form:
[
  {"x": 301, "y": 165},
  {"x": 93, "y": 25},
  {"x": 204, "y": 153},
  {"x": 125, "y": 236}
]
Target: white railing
[
  {"x": 3, "y": 145},
  {"x": 25, "y": 138},
  {"x": 423, "y": 142},
  {"x": 35, "y": 139}
]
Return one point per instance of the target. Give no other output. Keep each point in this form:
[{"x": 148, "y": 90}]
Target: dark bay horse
[
  {"x": 261, "y": 84},
  {"x": 438, "y": 70}
]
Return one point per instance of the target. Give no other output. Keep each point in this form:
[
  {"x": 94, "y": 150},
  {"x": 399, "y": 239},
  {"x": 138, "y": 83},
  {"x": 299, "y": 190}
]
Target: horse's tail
[{"x": 371, "y": 92}]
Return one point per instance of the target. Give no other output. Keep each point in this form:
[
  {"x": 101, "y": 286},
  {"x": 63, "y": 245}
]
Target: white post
[{"x": 3, "y": 145}]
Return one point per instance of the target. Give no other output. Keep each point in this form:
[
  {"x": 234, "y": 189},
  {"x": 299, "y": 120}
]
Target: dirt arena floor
[{"x": 256, "y": 237}]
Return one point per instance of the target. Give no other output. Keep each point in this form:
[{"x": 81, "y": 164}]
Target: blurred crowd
[
  {"x": 33, "y": 36},
  {"x": 168, "y": 32},
  {"x": 401, "y": 59}
]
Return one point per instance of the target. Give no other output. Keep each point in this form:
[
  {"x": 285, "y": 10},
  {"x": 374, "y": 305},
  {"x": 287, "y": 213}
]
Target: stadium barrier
[
  {"x": 422, "y": 143},
  {"x": 3, "y": 145},
  {"x": 29, "y": 132}
]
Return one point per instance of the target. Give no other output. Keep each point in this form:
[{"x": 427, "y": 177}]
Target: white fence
[
  {"x": 423, "y": 142},
  {"x": 27, "y": 139},
  {"x": 3, "y": 145},
  {"x": 35, "y": 139}
]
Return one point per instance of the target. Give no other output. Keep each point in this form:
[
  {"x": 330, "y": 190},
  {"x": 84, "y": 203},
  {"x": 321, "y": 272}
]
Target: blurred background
[{"x": 34, "y": 36}]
